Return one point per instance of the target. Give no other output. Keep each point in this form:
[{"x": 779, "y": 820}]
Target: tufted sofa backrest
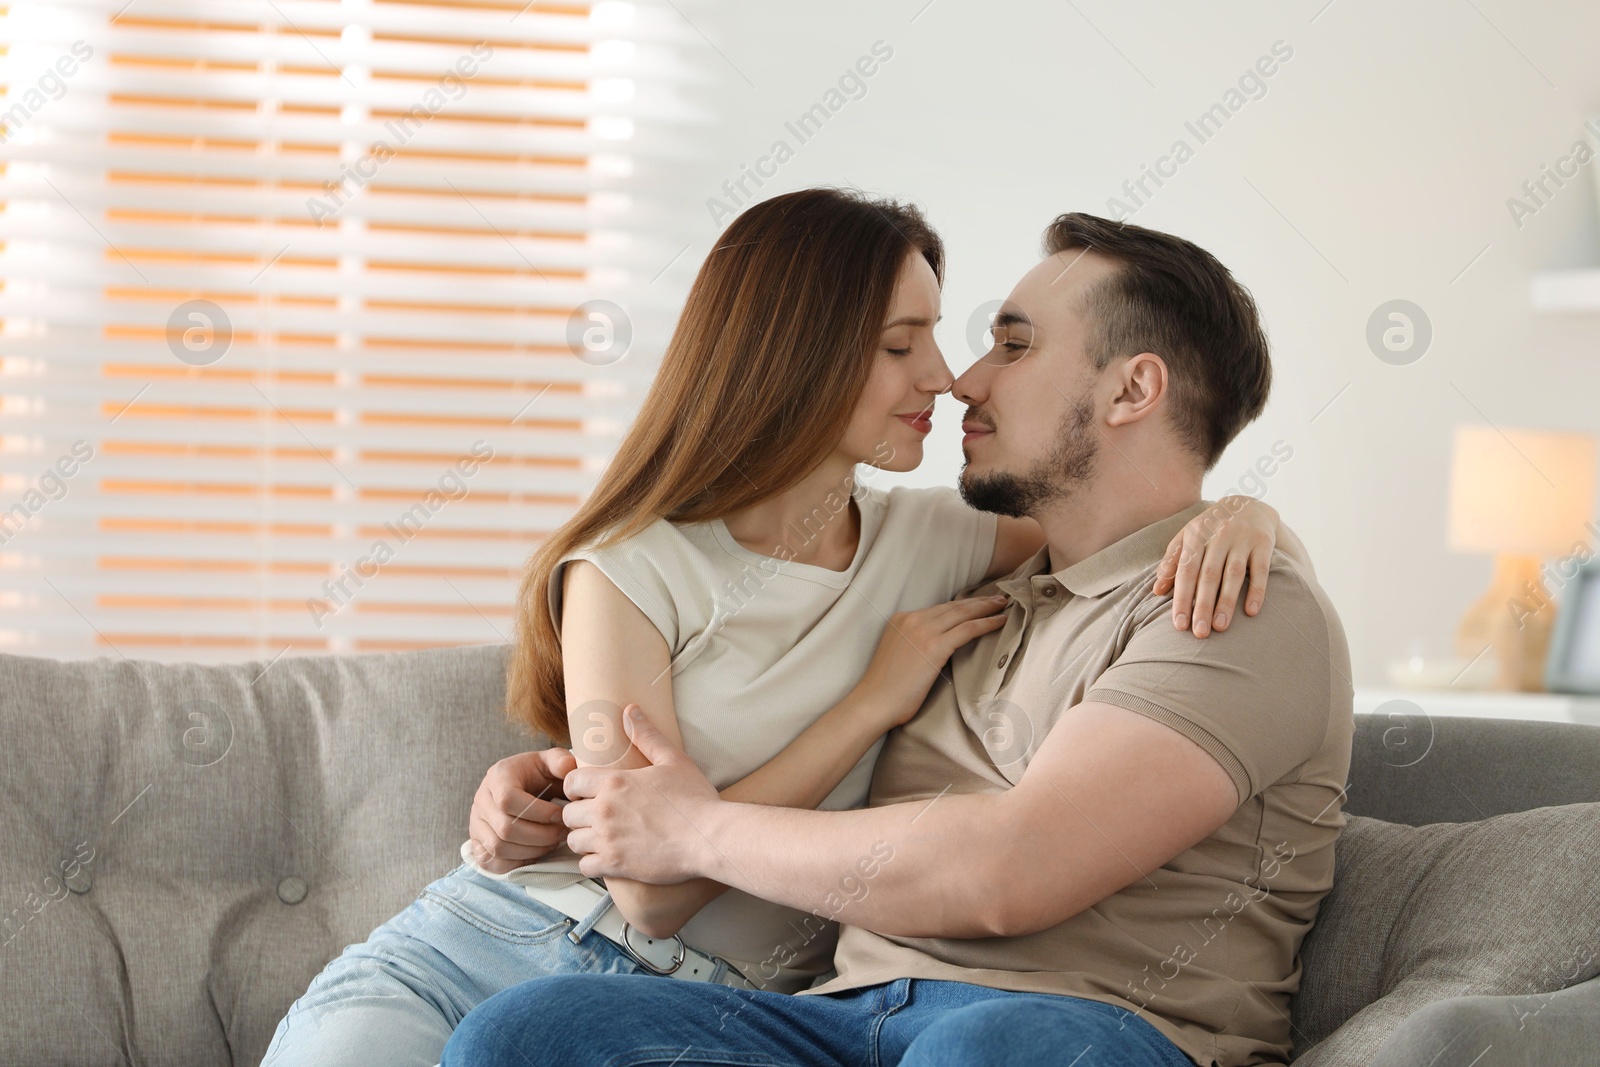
[{"x": 186, "y": 846}]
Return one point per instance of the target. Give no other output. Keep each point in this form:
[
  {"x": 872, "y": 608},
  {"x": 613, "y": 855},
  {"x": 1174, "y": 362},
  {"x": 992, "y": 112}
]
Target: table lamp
[{"x": 1520, "y": 495}]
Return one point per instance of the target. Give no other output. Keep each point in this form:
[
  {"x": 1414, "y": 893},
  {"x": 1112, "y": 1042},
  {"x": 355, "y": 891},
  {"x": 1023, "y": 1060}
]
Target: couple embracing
[{"x": 908, "y": 776}]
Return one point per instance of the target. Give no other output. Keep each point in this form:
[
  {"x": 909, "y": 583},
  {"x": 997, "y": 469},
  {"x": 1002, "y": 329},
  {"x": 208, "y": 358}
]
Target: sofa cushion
[
  {"x": 1506, "y": 906},
  {"x": 187, "y": 846}
]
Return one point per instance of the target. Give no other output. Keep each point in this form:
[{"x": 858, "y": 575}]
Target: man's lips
[{"x": 971, "y": 431}]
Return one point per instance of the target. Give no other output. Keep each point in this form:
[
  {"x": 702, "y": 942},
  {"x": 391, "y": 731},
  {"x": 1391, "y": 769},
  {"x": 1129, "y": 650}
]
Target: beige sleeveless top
[{"x": 761, "y": 649}]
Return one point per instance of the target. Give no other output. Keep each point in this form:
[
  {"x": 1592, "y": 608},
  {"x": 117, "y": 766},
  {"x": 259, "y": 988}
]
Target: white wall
[{"x": 1390, "y": 141}]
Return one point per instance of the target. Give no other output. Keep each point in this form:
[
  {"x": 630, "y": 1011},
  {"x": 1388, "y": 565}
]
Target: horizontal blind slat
[{"x": 195, "y": 155}]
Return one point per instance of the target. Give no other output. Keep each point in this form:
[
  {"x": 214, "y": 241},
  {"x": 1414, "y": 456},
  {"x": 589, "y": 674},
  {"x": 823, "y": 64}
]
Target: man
[{"x": 1100, "y": 841}]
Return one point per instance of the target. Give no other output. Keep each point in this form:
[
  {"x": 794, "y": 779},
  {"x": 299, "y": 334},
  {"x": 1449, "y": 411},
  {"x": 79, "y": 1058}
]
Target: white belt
[{"x": 670, "y": 957}]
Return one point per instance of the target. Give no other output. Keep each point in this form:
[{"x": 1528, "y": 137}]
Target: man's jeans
[
  {"x": 394, "y": 999},
  {"x": 623, "y": 1021}
]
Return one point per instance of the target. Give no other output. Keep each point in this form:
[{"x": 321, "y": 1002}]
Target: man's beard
[{"x": 1053, "y": 479}]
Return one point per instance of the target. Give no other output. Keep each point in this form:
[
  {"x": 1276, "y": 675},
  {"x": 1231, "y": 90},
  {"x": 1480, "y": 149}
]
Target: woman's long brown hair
[{"x": 771, "y": 353}]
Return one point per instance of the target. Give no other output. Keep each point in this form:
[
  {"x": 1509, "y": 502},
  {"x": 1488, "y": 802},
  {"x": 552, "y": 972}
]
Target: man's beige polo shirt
[{"x": 1204, "y": 949}]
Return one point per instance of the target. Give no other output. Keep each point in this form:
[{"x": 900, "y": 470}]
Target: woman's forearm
[
  {"x": 801, "y": 776},
  {"x": 661, "y": 910},
  {"x": 813, "y": 764}
]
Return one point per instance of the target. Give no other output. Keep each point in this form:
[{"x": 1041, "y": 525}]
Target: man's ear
[{"x": 1141, "y": 385}]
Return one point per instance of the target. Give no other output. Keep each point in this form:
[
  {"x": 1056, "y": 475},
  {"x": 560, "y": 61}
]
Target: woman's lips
[{"x": 922, "y": 422}]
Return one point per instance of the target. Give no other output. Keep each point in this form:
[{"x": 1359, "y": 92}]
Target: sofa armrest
[{"x": 1528, "y": 1031}]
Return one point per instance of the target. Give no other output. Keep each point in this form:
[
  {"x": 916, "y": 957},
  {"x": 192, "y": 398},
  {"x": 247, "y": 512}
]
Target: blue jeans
[
  {"x": 395, "y": 998},
  {"x": 605, "y": 1021}
]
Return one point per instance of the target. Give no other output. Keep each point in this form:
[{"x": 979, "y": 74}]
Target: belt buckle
[{"x": 677, "y": 957}]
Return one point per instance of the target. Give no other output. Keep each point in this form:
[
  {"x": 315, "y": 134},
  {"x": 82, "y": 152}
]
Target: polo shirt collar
[{"x": 1112, "y": 566}]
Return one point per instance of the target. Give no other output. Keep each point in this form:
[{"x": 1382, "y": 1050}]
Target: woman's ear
[{"x": 1141, "y": 383}]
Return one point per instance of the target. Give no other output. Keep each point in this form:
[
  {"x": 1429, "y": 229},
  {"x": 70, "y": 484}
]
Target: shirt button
[
  {"x": 1004, "y": 660},
  {"x": 292, "y": 890},
  {"x": 1048, "y": 590}
]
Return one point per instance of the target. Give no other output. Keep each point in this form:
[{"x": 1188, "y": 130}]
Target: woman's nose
[{"x": 939, "y": 380}]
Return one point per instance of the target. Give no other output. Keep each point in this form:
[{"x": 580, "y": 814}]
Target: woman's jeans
[{"x": 395, "y": 998}]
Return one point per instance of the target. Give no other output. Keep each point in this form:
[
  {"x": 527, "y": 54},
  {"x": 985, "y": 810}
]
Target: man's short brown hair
[{"x": 1173, "y": 298}]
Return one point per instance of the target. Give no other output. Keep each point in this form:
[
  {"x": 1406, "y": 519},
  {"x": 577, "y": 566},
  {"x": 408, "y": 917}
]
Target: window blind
[{"x": 312, "y": 311}]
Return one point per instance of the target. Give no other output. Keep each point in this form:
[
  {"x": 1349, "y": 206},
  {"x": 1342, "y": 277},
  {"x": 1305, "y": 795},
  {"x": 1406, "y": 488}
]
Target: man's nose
[{"x": 973, "y": 385}]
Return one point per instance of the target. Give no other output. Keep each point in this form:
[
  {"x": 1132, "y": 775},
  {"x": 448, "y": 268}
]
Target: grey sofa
[{"x": 186, "y": 846}]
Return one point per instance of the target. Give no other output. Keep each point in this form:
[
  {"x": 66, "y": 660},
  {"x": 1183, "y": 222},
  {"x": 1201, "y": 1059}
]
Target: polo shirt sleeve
[{"x": 1258, "y": 697}]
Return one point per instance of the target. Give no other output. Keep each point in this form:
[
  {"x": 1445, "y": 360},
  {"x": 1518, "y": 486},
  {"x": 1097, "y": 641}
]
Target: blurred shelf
[
  {"x": 1565, "y": 290},
  {"x": 1539, "y": 707}
]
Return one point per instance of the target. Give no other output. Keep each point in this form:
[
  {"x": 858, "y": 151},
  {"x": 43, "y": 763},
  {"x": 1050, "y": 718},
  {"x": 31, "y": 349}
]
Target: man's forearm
[
  {"x": 802, "y": 775},
  {"x": 1110, "y": 796},
  {"x": 924, "y": 869}
]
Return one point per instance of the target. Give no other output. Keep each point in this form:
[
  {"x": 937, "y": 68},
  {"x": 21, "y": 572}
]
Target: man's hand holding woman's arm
[
  {"x": 1109, "y": 796},
  {"x": 611, "y": 652}
]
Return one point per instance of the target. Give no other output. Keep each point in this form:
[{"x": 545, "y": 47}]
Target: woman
[{"x": 731, "y": 576}]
